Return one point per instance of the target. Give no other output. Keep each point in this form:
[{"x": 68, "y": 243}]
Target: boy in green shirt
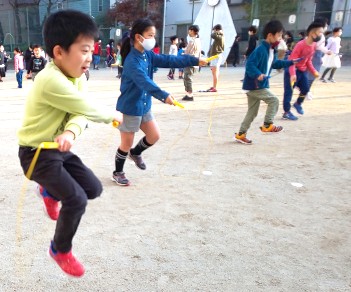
[{"x": 57, "y": 109}]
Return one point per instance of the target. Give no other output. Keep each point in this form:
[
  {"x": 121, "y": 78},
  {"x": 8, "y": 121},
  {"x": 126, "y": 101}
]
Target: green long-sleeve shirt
[{"x": 55, "y": 104}]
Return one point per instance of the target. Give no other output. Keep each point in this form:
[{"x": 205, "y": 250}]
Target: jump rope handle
[
  {"x": 177, "y": 103},
  {"x": 115, "y": 124},
  {"x": 212, "y": 58}
]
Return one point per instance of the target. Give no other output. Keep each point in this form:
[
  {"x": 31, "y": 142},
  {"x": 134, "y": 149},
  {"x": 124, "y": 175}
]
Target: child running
[
  {"x": 258, "y": 67},
  {"x": 137, "y": 87},
  {"x": 297, "y": 75},
  {"x": 57, "y": 109}
]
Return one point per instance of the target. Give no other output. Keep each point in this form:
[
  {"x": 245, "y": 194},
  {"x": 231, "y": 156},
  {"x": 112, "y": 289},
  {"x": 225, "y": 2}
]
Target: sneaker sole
[
  {"x": 119, "y": 184},
  {"x": 66, "y": 274},
  {"x": 287, "y": 119},
  {"x": 271, "y": 132},
  {"x": 242, "y": 142},
  {"x": 135, "y": 162}
]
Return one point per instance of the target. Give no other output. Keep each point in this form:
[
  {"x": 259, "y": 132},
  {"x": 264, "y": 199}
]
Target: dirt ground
[{"x": 208, "y": 214}]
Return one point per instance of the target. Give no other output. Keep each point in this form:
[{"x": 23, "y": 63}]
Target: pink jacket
[{"x": 18, "y": 62}]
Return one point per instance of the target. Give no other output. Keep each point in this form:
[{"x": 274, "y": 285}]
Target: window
[{"x": 100, "y": 6}]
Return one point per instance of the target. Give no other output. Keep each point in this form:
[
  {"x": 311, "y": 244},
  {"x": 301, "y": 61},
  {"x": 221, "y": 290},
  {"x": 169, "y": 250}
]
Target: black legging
[{"x": 331, "y": 73}]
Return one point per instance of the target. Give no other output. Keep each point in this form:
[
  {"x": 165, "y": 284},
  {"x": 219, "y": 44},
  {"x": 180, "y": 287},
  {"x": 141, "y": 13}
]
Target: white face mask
[{"x": 148, "y": 44}]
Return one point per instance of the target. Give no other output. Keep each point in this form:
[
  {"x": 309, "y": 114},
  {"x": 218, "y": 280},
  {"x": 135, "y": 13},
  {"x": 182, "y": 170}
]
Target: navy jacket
[
  {"x": 257, "y": 64},
  {"x": 137, "y": 86}
]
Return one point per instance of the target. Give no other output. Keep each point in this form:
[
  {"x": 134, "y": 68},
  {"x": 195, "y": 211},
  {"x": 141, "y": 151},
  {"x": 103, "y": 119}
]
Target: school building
[
  {"x": 21, "y": 20},
  {"x": 295, "y": 15}
]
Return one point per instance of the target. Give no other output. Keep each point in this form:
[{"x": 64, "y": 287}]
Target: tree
[
  {"x": 265, "y": 11},
  {"x": 127, "y": 11}
]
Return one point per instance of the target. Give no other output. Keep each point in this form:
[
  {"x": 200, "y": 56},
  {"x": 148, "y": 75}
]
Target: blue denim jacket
[
  {"x": 257, "y": 64},
  {"x": 137, "y": 86}
]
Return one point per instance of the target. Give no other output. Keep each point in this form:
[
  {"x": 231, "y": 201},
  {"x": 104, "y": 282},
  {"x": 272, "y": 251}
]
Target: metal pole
[
  {"x": 164, "y": 27},
  {"x": 27, "y": 26},
  {"x": 344, "y": 16},
  {"x": 192, "y": 13}
]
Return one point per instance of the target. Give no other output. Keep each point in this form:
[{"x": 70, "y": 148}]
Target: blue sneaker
[
  {"x": 298, "y": 108},
  {"x": 289, "y": 116}
]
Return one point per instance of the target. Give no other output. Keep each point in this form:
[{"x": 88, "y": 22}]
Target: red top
[
  {"x": 305, "y": 51},
  {"x": 97, "y": 49}
]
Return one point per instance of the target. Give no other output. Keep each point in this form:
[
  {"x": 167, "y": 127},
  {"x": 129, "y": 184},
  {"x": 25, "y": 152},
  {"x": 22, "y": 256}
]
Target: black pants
[{"x": 66, "y": 178}]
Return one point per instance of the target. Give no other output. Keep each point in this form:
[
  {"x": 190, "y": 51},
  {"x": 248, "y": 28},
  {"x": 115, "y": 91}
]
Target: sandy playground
[{"x": 208, "y": 214}]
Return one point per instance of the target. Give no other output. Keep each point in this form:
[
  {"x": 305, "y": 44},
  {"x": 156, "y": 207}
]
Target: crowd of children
[{"x": 57, "y": 109}]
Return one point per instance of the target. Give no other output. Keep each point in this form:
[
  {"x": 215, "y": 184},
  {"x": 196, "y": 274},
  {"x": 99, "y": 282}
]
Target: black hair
[
  {"x": 62, "y": 29},
  {"x": 173, "y": 38},
  {"x": 217, "y": 27},
  {"x": 253, "y": 28},
  {"x": 322, "y": 20},
  {"x": 36, "y": 47},
  {"x": 17, "y": 50},
  {"x": 273, "y": 27},
  {"x": 289, "y": 34},
  {"x": 139, "y": 26},
  {"x": 337, "y": 29},
  {"x": 195, "y": 28},
  {"x": 302, "y": 33},
  {"x": 314, "y": 25},
  {"x": 182, "y": 45}
]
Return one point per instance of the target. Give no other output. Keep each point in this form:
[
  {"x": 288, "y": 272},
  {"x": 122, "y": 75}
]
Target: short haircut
[
  {"x": 314, "y": 25},
  {"x": 337, "y": 29},
  {"x": 273, "y": 27},
  {"x": 64, "y": 27},
  {"x": 173, "y": 38},
  {"x": 194, "y": 28},
  {"x": 217, "y": 27},
  {"x": 36, "y": 47},
  {"x": 253, "y": 28},
  {"x": 323, "y": 20}
]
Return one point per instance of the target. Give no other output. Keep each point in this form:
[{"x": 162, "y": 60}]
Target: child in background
[
  {"x": 137, "y": 88},
  {"x": 2, "y": 63},
  {"x": 258, "y": 67},
  {"x": 181, "y": 50},
  {"x": 332, "y": 61},
  {"x": 321, "y": 49},
  {"x": 37, "y": 62},
  {"x": 173, "y": 50},
  {"x": 193, "y": 49},
  {"x": 58, "y": 109},
  {"x": 297, "y": 75},
  {"x": 19, "y": 65}
]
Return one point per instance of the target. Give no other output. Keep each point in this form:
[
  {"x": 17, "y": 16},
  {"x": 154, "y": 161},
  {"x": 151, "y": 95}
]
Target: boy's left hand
[{"x": 65, "y": 141}]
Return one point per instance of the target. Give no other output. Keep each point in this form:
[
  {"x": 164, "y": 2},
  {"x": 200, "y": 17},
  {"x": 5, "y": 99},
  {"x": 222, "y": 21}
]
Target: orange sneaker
[
  {"x": 271, "y": 129},
  {"x": 51, "y": 206},
  {"x": 67, "y": 262},
  {"x": 242, "y": 139}
]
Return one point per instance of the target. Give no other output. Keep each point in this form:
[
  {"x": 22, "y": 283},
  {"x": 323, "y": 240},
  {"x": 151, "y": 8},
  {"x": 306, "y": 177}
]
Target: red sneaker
[
  {"x": 52, "y": 208},
  {"x": 68, "y": 263}
]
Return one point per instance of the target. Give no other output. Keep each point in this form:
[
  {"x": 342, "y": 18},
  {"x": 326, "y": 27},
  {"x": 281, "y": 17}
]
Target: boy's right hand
[
  {"x": 261, "y": 77},
  {"x": 292, "y": 79}
]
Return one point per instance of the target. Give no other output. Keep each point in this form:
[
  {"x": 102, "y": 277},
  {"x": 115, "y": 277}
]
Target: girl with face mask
[{"x": 137, "y": 88}]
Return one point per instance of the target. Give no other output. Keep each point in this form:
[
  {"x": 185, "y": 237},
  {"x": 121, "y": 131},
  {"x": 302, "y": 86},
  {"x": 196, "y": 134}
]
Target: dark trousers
[
  {"x": 19, "y": 76},
  {"x": 67, "y": 179},
  {"x": 301, "y": 83}
]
